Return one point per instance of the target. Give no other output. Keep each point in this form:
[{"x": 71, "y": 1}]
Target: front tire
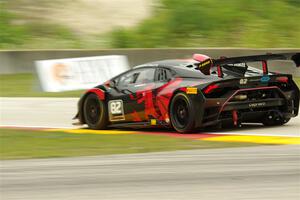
[
  {"x": 182, "y": 113},
  {"x": 95, "y": 112}
]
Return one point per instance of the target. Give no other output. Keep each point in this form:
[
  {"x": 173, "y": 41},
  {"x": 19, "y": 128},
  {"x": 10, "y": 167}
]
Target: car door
[
  {"x": 162, "y": 92},
  {"x": 131, "y": 98}
]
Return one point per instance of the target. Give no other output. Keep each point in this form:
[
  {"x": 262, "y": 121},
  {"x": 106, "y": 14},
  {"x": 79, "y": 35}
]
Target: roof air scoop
[{"x": 200, "y": 57}]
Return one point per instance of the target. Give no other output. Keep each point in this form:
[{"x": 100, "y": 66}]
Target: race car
[{"x": 190, "y": 94}]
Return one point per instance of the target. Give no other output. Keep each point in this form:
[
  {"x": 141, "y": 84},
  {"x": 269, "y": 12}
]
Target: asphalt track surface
[
  {"x": 264, "y": 172},
  {"x": 58, "y": 113}
]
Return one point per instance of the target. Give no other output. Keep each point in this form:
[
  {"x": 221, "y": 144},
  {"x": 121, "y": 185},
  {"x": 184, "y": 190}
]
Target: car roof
[
  {"x": 182, "y": 67},
  {"x": 169, "y": 63}
]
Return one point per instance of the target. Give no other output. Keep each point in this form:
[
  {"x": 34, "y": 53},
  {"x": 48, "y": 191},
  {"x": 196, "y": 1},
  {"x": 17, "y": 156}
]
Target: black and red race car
[{"x": 192, "y": 94}]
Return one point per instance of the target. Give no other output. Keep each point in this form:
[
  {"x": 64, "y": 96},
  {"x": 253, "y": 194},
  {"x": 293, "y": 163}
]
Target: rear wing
[{"x": 207, "y": 64}]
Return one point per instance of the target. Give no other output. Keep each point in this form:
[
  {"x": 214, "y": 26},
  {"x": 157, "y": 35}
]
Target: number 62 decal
[{"x": 116, "y": 110}]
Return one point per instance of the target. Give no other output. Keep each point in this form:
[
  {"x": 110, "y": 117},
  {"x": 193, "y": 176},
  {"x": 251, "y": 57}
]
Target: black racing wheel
[
  {"x": 182, "y": 113},
  {"x": 274, "y": 118},
  {"x": 95, "y": 112}
]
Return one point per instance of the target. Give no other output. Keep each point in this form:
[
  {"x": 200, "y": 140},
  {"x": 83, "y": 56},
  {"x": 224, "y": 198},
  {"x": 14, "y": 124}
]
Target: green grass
[
  {"x": 27, "y": 85},
  {"x": 24, "y": 144}
]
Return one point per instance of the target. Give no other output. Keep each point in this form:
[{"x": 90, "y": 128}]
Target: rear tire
[
  {"x": 275, "y": 118},
  {"x": 182, "y": 113},
  {"x": 95, "y": 112}
]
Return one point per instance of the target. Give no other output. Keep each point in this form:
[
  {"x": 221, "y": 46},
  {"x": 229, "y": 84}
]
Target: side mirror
[{"x": 112, "y": 84}]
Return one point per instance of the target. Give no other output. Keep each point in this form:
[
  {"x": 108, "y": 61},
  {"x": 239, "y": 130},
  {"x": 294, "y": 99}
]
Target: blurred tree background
[
  {"x": 216, "y": 23},
  {"x": 173, "y": 23},
  {"x": 16, "y": 34}
]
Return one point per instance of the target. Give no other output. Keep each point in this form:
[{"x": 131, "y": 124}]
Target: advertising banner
[{"x": 79, "y": 73}]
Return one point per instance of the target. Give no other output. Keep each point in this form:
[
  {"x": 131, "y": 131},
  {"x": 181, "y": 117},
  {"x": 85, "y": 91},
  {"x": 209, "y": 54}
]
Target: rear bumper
[
  {"x": 217, "y": 110},
  {"x": 254, "y": 104}
]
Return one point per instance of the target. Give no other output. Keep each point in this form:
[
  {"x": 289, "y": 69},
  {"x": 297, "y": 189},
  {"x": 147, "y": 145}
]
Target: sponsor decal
[
  {"x": 255, "y": 105},
  {"x": 265, "y": 79},
  {"x": 191, "y": 90},
  {"x": 61, "y": 73},
  {"x": 205, "y": 63},
  {"x": 116, "y": 110},
  {"x": 153, "y": 122}
]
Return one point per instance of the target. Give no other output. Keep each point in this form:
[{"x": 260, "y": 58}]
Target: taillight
[
  {"x": 265, "y": 67},
  {"x": 282, "y": 79},
  {"x": 210, "y": 88}
]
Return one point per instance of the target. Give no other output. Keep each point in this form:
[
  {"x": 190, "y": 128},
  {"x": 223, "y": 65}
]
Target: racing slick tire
[
  {"x": 274, "y": 118},
  {"x": 182, "y": 113},
  {"x": 95, "y": 112}
]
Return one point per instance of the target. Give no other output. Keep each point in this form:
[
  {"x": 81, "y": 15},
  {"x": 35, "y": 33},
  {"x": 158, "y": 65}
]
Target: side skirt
[{"x": 139, "y": 125}]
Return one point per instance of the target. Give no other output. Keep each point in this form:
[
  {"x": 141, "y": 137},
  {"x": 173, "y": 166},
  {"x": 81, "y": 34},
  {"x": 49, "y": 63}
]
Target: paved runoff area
[{"x": 55, "y": 114}]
